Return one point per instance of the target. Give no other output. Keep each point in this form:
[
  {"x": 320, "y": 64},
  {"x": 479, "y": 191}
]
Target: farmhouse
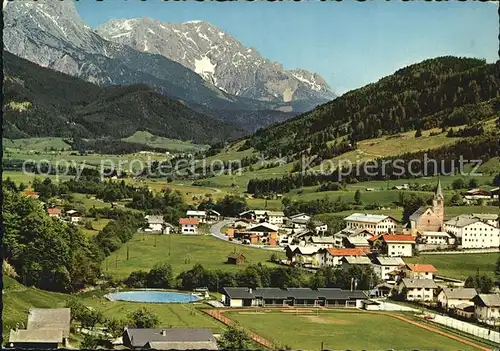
[
  {"x": 243, "y": 223},
  {"x": 356, "y": 242},
  {"x": 275, "y": 217},
  {"x": 451, "y": 298},
  {"x": 398, "y": 245},
  {"x": 236, "y": 258},
  {"x": 417, "y": 289},
  {"x": 301, "y": 216},
  {"x": 376, "y": 224},
  {"x": 264, "y": 233},
  {"x": 434, "y": 238},
  {"x": 321, "y": 241},
  {"x": 155, "y": 223},
  {"x": 489, "y": 218},
  {"x": 319, "y": 227},
  {"x": 212, "y": 216},
  {"x": 474, "y": 195},
  {"x": 199, "y": 215},
  {"x": 35, "y": 339},
  {"x": 74, "y": 216},
  {"x": 298, "y": 297},
  {"x": 303, "y": 255},
  {"x": 487, "y": 308},
  {"x": 350, "y": 261},
  {"x": 298, "y": 223},
  {"x": 420, "y": 271},
  {"x": 472, "y": 232},
  {"x": 429, "y": 218},
  {"x": 382, "y": 266},
  {"x": 54, "y": 212},
  {"x": 350, "y": 233},
  {"x": 169, "y": 339},
  {"x": 189, "y": 225}
]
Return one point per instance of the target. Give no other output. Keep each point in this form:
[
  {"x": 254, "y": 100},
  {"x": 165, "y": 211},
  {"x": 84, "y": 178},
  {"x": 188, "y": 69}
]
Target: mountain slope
[
  {"x": 440, "y": 92},
  {"x": 42, "y": 102},
  {"x": 220, "y": 59}
]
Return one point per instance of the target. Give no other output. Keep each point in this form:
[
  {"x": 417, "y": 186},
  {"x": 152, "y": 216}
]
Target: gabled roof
[
  {"x": 50, "y": 319},
  {"x": 419, "y": 283},
  {"x": 154, "y": 219},
  {"x": 299, "y": 215},
  {"x": 459, "y": 293},
  {"x": 366, "y": 217},
  {"x": 276, "y": 213},
  {"x": 357, "y": 260},
  {"x": 421, "y": 268},
  {"x": 236, "y": 255},
  {"x": 300, "y": 221},
  {"x": 36, "y": 336},
  {"x": 297, "y": 293},
  {"x": 357, "y": 241},
  {"x": 186, "y": 221},
  {"x": 389, "y": 261},
  {"x": 195, "y": 213},
  {"x": 339, "y": 252},
  {"x": 182, "y": 345},
  {"x": 303, "y": 250},
  {"x": 487, "y": 300},
  {"x": 213, "y": 211},
  {"x": 54, "y": 210},
  {"x": 462, "y": 221},
  {"x": 140, "y": 337},
  {"x": 431, "y": 234},
  {"x": 72, "y": 213},
  {"x": 419, "y": 212},
  {"x": 398, "y": 238},
  {"x": 486, "y": 216},
  {"x": 322, "y": 239},
  {"x": 268, "y": 226}
]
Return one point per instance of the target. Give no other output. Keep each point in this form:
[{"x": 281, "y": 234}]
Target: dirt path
[
  {"x": 219, "y": 315},
  {"x": 434, "y": 330}
]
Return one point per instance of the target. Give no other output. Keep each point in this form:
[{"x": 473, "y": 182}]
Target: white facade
[
  {"x": 420, "y": 294},
  {"x": 487, "y": 314},
  {"x": 189, "y": 229},
  {"x": 382, "y": 266},
  {"x": 435, "y": 238},
  {"x": 200, "y": 215},
  {"x": 475, "y": 235},
  {"x": 376, "y": 224},
  {"x": 275, "y": 218},
  {"x": 399, "y": 249}
]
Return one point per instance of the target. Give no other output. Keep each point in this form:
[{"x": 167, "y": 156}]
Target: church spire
[{"x": 439, "y": 191}]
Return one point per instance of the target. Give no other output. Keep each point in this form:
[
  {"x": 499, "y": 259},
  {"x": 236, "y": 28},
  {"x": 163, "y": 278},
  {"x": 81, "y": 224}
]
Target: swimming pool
[{"x": 153, "y": 296}]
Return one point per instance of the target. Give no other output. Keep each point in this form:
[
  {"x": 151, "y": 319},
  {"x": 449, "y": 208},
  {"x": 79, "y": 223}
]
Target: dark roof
[
  {"x": 297, "y": 293},
  {"x": 50, "y": 319},
  {"x": 419, "y": 212},
  {"x": 182, "y": 345},
  {"x": 140, "y": 337},
  {"x": 36, "y": 336},
  {"x": 236, "y": 255},
  {"x": 488, "y": 300}
]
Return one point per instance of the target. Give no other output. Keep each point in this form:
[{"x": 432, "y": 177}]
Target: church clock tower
[{"x": 438, "y": 203}]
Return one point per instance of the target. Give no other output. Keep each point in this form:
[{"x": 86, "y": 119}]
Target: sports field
[{"x": 342, "y": 330}]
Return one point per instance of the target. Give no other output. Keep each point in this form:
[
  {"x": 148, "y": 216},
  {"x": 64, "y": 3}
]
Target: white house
[
  {"x": 489, "y": 218},
  {"x": 275, "y": 217},
  {"x": 301, "y": 216},
  {"x": 339, "y": 237},
  {"x": 321, "y": 241},
  {"x": 450, "y": 298},
  {"x": 155, "y": 223},
  {"x": 304, "y": 255},
  {"x": 473, "y": 232},
  {"x": 189, "y": 225},
  {"x": 212, "y": 216},
  {"x": 199, "y": 215},
  {"x": 320, "y": 227},
  {"x": 420, "y": 271},
  {"x": 382, "y": 266},
  {"x": 435, "y": 238},
  {"x": 487, "y": 308},
  {"x": 399, "y": 245},
  {"x": 243, "y": 223},
  {"x": 417, "y": 289},
  {"x": 74, "y": 216},
  {"x": 376, "y": 224}
]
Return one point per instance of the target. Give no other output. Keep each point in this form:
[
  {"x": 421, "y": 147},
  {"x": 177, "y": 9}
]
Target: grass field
[
  {"x": 342, "y": 330},
  {"x": 460, "y": 265},
  {"x": 151, "y": 140},
  {"x": 185, "y": 252},
  {"x": 36, "y": 144}
]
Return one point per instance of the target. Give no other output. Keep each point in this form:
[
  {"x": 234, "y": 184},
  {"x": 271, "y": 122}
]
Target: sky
[{"x": 350, "y": 44}]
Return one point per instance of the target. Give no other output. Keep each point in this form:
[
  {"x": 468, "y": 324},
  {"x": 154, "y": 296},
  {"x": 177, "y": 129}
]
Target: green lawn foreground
[
  {"x": 459, "y": 266},
  {"x": 342, "y": 330},
  {"x": 185, "y": 252}
]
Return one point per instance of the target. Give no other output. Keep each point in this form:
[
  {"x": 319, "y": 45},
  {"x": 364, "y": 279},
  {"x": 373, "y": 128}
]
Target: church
[{"x": 429, "y": 218}]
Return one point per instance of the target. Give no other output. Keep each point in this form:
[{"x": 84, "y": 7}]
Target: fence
[{"x": 217, "y": 314}]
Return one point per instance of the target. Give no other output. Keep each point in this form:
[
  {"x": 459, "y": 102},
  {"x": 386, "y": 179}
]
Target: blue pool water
[{"x": 152, "y": 296}]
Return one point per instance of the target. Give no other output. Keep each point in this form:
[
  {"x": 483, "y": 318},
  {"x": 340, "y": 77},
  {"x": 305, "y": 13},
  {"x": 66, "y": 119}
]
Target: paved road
[{"x": 216, "y": 232}]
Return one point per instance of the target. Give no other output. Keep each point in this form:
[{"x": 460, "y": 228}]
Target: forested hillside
[
  {"x": 441, "y": 92},
  {"x": 41, "y": 102}
]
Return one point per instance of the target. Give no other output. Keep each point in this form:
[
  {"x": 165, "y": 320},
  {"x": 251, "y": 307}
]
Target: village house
[
  {"x": 155, "y": 223},
  {"x": 319, "y": 227},
  {"x": 487, "y": 308},
  {"x": 308, "y": 256},
  {"x": 417, "y": 289},
  {"x": 201, "y": 216},
  {"x": 350, "y": 261},
  {"x": 489, "y": 218},
  {"x": 47, "y": 328},
  {"x": 474, "y": 195},
  {"x": 429, "y": 218},
  {"x": 301, "y": 216},
  {"x": 169, "y": 339},
  {"x": 298, "y": 297},
  {"x": 298, "y": 223},
  {"x": 434, "y": 238},
  {"x": 376, "y": 224},
  {"x": 320, "y": 241},
  {"x": 236, "y": 258},
  {"x": 397, "y": 245},
  {"x": 263, "y": 233},
  {"x": 331, "y": 257},
  {"x": 339, "y": 237},
  {"x": 243, "y": 223},
  {"x": 382, "y": 266},
  {"x": 275, "y": 217},
  {"x": 212, "y": 216},
  {"x": 450, "y": 298},
  {"x": 419, "y": 271},
  {"x": 189, "y": 225},
  {"x": 464, "y": 310},
  {"x": 472, "y": 232},
  {"x": 54, "y": 212},
  {"x": 356, "y": 242},
  {"x": 74, "y": 216},
  {"x": 382, "y": 290}
]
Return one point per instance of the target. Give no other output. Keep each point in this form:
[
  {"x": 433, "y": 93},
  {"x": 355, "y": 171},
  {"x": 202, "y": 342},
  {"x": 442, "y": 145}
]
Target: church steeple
[
  {"x": 439, "y": 191},
  {"x": 438, "y": 203}
]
